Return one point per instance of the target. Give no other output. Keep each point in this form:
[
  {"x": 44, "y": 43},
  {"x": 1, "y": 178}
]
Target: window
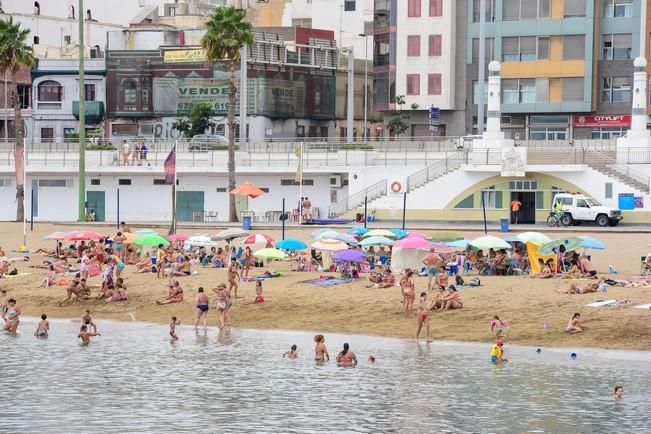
[
  {"x": 476, "y": 10},
  {"x": 544, "y": 8},
  {"x": 349, "y": 5},
  {"x": 510, "y": 91},
  {"x": 617, "y": 47},
  {"x": 526, "y": 185},
  {"x": 95, "y": 182},
  {"x": 475, "y": 92},
  {"x": 511, "y": 49},
  {"x": 608, "y": 194},
  {"x": 618, "y": 8},
  {"x": 513, "y": 10},
  {"x": 54, "y": 183},
  {"x": 90, "y": 92},
  {"x": 572, "y": 89},
  {"x": 413, "y": 84},
  {"x": 37, "y": 40},
  {"x": 124, "y": 181},
  {"x": 288, "y": 182},
  {"x": 547, "y": 133},
  {"x": 490, "y": 50},
  {"x": 528, "y": 48},
  {"x": 608, "y": 133},
  {"x": 413, "y": 45},
  {"x": 24, "y": 95},
  {"x": 129, "y": 93},
  {"x": 574, "y": 8},
  {"x": 124, "y": 129},
  {"x": 489, "y": 196},
  {"x": 163, "y": 182},
  {"x": 525, "y": 48},
  {"x": 616, "y": 89},
  {"x": 527, "y": 90},
  {"x": 221, "y": 190},
  {"x": 51, "y": 91},
  {"x": 524, "y": 90},
  {"x": 413, "y": 8},
  {"x": 435, "y": 45},
  {"x": 542, "y": 90},
  {"x": 145, "y": 99},
  {"x": 573, "y": 47},
  {"x": 69, "y": 132},
  {"x": 436, "y": 8},
  {"x": 434, "y": 84},
  {"x": 543, "y": 48},
  {"x": 510, "y": 10},
  {"x": 5, "y": 182},
  {"x": 528, "y": 9},
  {"x": 47, "y": 135}
]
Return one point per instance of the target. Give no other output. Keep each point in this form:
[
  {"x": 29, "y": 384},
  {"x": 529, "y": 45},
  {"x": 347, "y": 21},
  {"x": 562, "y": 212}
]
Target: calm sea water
[{"x": 134, "y": 379}]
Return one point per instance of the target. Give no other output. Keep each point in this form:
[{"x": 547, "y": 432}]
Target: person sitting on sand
[
  {"x": 259, "y": 297},
  {"x": 375, "y": 276},
  {"x": 131, "y": 257},
  {"x": 545, "y": 270},
  {"x": 119, "y": 293},
  {"x": 292, "y": 353},
  {"x": 388, "y": 279},
  {"x": 48, "y": 279},
  {"x": 452, "y": 299},
  {"x": 175, "y": 293},
  {"x": 144, "y": 265},
  {"x": 574, "y": 326},
  {"x": 576, "y": 289},
  {"x": 437, "y": 300},
  {"x": 320, "y": 349},
  {"x": 43, "y": 327},
  {"x": 346, "y": 357},
  {"x": 587, "y": 267},
  {"x": 85, "y": 336}
]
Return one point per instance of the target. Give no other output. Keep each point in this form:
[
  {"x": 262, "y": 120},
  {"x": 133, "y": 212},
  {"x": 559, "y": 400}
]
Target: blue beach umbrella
[
  {"x": 291, "y": 245},
  {"x": 399, "y": 233},
  {"x": 375, "y": 241},
  {"x": 458, "y": 243},
  {"x": 358, "y": 231},
  {"x": 592, "y": 243},
  {"x": 316, "y": 234}
]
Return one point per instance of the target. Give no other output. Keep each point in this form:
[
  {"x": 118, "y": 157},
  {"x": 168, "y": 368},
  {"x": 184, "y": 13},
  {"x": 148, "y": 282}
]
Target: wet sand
[{"x": 353, "y": 309}]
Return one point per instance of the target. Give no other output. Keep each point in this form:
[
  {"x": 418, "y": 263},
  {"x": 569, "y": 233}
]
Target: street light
[{"x": 365, "y": 36}]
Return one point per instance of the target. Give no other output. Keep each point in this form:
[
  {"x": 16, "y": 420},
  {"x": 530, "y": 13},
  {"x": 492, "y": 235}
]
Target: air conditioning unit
[{"x": 335, "y": 181}]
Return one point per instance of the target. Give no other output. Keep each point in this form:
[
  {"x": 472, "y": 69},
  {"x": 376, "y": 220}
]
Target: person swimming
[
  {"x": 320, "y": 350},
  {"x": 292, "y": 353},
  {"x": 87, "y": 320},
  {"x": 371, "y": 360},
  {"x": 497, "y": 354},
  {"x": 43, "y": 327},
  {"x": 619, "y": 391},
  {"x": 346, "y": 357},
  {"x": 85, "y": 335}
]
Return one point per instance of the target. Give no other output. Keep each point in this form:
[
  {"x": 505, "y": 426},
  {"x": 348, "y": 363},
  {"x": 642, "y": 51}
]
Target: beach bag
[
  {"x": 13, "y": 272},
  {"x": 474, "y": 282},
  {"x": 458, "y": 281}
]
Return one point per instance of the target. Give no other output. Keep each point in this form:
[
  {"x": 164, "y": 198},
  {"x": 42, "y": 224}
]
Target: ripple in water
[{"x": 133, "y": 379}]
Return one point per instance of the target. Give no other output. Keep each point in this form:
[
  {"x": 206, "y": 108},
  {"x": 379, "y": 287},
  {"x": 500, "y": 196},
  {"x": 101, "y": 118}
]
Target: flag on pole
[
  {"x": 299, "y": 170},
  {"x": 170, "y": 166}
]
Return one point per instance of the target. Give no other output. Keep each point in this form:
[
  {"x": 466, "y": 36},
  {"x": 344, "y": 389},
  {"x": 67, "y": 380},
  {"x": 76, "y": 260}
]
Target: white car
[{"x": 578, "y": 208}]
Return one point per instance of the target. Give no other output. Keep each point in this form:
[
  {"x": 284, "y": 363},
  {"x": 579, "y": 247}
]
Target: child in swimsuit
[
  {"x": 43, "y": 327},
  {"x": 173, "y": 325},
  {"x": 85, "y": 335},
  {"x": 423, "y": 315},
  {"x": 498, "y": 327},
  {"x": 87, "y": 320},
  {"x": 292, "y": 353}
]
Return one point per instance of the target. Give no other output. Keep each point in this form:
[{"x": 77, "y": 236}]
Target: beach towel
[
  {"x": 13, "y": 276},
  {"x": 602, "y": 303},
  {"x": 643, "y": 306},
  {"x": 332, "y": 282}
]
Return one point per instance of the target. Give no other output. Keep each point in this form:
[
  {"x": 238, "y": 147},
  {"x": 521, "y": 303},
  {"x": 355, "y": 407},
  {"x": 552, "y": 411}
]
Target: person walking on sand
[
  {"x": 320, "y": 350},
  {"x": 247, "y": 259},
  {"x": 223, "y": 302},
  {"x": 202, "y": 308},
  {"x": 43, "y": 327},
  {"x": 498, "y": 327},
  {"x": 292, "y": 353},
  {"x": 515, "y": 210},
  {"x": 408, "y": 291},
  {"x": 423, "y": 316},
  {"x": 85, "y": 335},
  {"x": 346, "y": 357},
  {"x": 432, "y": 261},
  {"x": 574, "y": 325},
  {"x": 173, "y": 325},
  {"x": 233, "y": 277}
]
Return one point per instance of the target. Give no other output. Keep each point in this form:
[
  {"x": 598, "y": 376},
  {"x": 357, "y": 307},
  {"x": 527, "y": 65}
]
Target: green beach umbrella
[
  {"x": 570, "y": 243},
  {"x": 150, "y": 240},
  {"x": 270, "y": 254},
  {"x": 535, "y": 238}
]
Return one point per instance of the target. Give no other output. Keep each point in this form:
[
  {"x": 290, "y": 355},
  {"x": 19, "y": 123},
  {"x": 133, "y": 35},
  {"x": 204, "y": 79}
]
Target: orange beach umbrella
[{"x": 247, "y": 189}]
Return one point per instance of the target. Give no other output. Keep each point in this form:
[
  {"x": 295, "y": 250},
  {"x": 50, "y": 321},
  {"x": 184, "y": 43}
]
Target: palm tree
[
  {"x": 226, "y": 34},
  {"x": 14, "y": 53}
]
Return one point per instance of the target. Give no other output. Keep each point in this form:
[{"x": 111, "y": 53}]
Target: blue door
[
  {"x": 96, "y": 201},
  {"x": 187, "y": 203}
]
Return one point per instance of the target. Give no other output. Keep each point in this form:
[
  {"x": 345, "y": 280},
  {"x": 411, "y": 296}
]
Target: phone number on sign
[{"x": 184, "y": 106}]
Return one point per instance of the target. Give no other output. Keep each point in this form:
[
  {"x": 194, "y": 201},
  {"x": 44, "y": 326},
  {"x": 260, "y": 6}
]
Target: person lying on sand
[{"x": 576, "y": 289}]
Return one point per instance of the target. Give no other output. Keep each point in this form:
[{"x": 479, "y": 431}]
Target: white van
[{"x": 578, "y": 208}]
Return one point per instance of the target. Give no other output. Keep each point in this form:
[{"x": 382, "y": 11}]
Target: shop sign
[
  {"x": 592, "y": 121},
  {"x": 184, "y": 56}
]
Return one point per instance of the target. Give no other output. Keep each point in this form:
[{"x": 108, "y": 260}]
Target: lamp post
[
  {"x": 365, "y": 36},
  {"x": 82, "y": 118}
]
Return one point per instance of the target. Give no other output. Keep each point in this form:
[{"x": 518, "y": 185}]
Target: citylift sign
[{"x": 601, "y": 121}]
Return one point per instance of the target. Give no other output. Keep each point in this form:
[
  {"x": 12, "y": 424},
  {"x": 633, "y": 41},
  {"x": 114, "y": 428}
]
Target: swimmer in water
[
  {"x": 619, "y": 391},
  {"x": 371, "y": 360},
  {"x": 87, "y": 320},
  {"x": 320, "y": 350},
  {"x": 173, "y": 325},
  {"x": 292, "y": 353},
  {"x": 497, "y": 354},
  {"x": 346, "y": 357},
  {"x": 43, "y": 327},
  {"x": 202, "y": 303},
  {"x": 85, "y": 335}
]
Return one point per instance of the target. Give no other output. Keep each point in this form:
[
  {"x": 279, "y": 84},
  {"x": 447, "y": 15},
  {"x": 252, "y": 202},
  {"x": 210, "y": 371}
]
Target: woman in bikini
[
  {"x": 48, "y": 279},
  {"x": 118, "y": 245},
  {"x": 223, "y": 301},
  {"x": 437, "y": 301},
  {"x": 144, "y": 265},
  {"x": 452, "y": 299},
  {"x": 423, "y": 316},
  {"x": 346, "y": 357},
  {"x": 202, "y": 308},
  {"x": 233, "y": 277},
  {"x": 84, "y": 265},
  {"x": 12, "y": 317},
  {"x": 320, "y": 350},
  {"x": 174, "y": 294},
  {"x": 246, "y": 263},
  {"x": 119, "y": 265},
  {"x": 72, "y": 290},
  {"x": 408, "y": 291}
]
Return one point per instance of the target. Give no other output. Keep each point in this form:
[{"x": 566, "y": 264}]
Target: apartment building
[
  {"x": 567, "y": 65},
  {"x": 415, "y": 56}
]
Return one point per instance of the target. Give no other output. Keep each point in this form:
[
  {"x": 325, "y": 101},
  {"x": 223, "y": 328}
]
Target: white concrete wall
[
  {"x": 424, "y": 65},
  {"x": 7, "y": 197}
]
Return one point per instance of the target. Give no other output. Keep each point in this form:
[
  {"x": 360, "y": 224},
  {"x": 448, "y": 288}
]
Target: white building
[
  {"x": 346, "y": 18},
  {"x": 55, "y": 91}
]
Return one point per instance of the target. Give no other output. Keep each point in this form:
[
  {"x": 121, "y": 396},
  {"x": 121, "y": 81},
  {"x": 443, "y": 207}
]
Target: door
[
  {"x": 582, "y": 210},
  {"x": 241, "y": 204},
  {"x": 96, "y": 201},
  {"x": 187, "y": 202},
  {"x": 528, "y": 208}
]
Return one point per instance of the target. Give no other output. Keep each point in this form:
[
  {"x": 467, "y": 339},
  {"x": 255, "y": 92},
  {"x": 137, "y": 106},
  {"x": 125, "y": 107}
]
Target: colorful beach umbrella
[
  {"x": 258, "y": 239},
  {"x": 592, "y": 243},
  {"x": 315, "y": 234},
  {"x": 358, "y": 231},
  {"x": 459, "y": 243},
  {"x": 230, "y": 234},
  {"x": 200, "y": 240},
  {"x": 442, "y": 248},
  {"x": 413, "y": 243},
  {"x": 327, "y": 235},
  {"x": 552, "y": 247},
  {"x": 350, "y": 256},
  {"x": 144, "y": 231},
  {"x": 150, "y": 240},
  {"x": 380, "y": 233},
  {"x": 83, "y": 236},
  {"x": 247, "y": 189},
  {"x": 399, "y": 233},
  {"x": 412, "y": 234},
  {"x": 291, "y": 245},
  {"x": 346, "y": 238},
  {"x": 489, "y": 242},
  {"x": 177, "y": 237},
  {"x": 535, "y": 238},
  {"x": 271, "y": 254},
  {"x": 58, "y": 236},
  {"x": 375, "y": 241},
  {"x": 329, "y": 245}
]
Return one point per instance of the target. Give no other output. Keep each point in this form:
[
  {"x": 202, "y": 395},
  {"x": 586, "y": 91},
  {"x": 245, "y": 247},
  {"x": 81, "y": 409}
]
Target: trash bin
[
  {"x": 504, "y": 225},
  {"x": 246, "y": 223}
]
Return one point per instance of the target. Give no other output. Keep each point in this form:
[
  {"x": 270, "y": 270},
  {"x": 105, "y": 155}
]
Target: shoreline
[{"x": 609, "y": 353}]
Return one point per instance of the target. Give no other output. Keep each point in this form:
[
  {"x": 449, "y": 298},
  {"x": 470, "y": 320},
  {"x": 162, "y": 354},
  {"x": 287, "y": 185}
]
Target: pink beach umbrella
[
  {"x": 177, "y": 237},
  {"x": 415, "y": 234},
  {"x": 83, "y": 236},
  {"x": 414, "y": 243},
  {"x": 258, "y": 239}
]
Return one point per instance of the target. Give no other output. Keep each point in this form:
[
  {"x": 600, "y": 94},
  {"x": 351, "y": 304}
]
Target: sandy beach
[{"x": 354, "y": 309}]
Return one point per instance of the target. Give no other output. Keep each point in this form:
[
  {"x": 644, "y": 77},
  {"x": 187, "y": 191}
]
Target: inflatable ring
[{"x": 396, "y": 187}]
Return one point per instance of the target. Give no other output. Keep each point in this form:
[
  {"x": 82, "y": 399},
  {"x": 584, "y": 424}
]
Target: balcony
[{"x": 94, "y": 111}]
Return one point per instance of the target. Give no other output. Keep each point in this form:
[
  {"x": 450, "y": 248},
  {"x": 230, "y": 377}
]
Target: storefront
[{"x": 600, "y": 127}]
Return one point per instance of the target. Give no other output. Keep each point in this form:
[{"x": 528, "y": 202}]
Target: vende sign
[{"x": 580, "y": 121}]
